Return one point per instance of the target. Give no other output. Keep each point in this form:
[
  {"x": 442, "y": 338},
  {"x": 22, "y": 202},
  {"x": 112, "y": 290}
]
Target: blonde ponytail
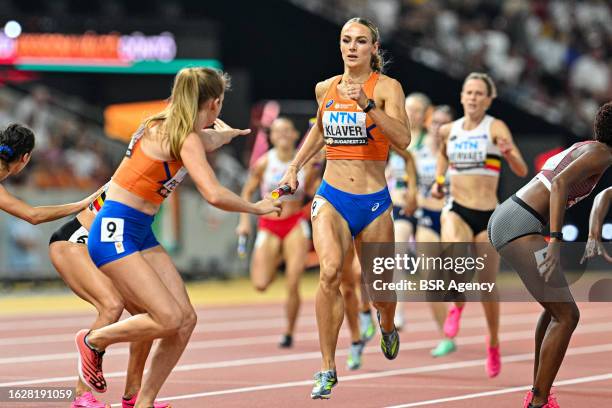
[{"x": 192, "y": 87}]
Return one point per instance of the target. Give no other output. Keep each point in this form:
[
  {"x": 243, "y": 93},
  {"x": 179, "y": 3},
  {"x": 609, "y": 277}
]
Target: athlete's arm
[
  {"x": 601, "y": 205},
  {"x": 411, "y": 177},
  {"x": 220, "y": 134},
  {"x": 312, "y": 144},
  {"x": 505, "y": 143},
  {"x": 37, "y": 215},
  {"x": 437, "y": 189},
  {"x": 194, "y": 159},
  {"x": 253, "y": 180},
  {"x": 392, "y": 118}
]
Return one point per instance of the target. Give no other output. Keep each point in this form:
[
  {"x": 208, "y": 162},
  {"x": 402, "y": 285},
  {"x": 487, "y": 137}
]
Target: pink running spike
[
  {"x": 132, "y": 401},
  {"x": 451, "y": 324},
  {"x": 87, "y": 400},
  {"x": 493, "y": 361}
]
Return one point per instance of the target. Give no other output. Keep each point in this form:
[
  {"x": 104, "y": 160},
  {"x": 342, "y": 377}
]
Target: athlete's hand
[
  {"x": 220, "y": 134},
  {"x": 551, "y": 262},
  {"x": 243, "y": 228},
  {"x": 225, "y": 129},
  {"x": 290, "y": 178},
  {"x": 355, "y": 92},
  {"x": 437, "y": 190},
  {"x": 84, "y": 203},
  {"x": 593, "y": 248},
  {"x": 268, "y": 206},
  {"x": 504, "y": 146},
  {"x": 411, "y": 203}
]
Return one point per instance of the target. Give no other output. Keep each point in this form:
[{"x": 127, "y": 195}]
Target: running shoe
[
  {"x": 451, "y": 324},
  {"x": 398, "y": 320},
  {"x": 551, "y": 403},
  {"x": 286, "y": 341},
  {"x": 87, "y": 400},
  {"x": 324, "y": 382},
  {"x": 366, "y": 326},
  {"x": 389, "y": 342},
  {"x": 493, "y": 361},
  {"x": 443, "y": 348},
  {"x": 528, "y": 398},
  {"x": 90, "y": 363},
  {"x": 353, "y": 362},
  {"x": 129, "y": 403}
]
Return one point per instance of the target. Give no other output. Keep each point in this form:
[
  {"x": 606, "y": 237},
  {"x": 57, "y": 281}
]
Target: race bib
[
  {"x": 344, "y": 128},
  {"x": 467, "y": 152},
  {"x": 112, "y": 230}
]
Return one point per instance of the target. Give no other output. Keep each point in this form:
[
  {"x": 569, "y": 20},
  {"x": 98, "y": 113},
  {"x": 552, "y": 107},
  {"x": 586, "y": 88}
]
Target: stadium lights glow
[
  {"x": 570, "y": 232},
  {"x": 606, "y": 231},
  {"x": 12, "y": 29}
]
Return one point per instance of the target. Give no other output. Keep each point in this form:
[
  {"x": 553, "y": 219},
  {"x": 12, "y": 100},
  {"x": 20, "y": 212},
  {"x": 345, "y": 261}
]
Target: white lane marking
[
  {"x": 578, "y": 380},
  {"x": 417, "y": 345}
]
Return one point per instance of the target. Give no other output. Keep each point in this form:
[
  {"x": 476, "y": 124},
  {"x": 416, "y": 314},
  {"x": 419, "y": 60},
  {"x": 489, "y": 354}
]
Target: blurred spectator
[
  {"x": 23, "y": 247},
  {"x": 33, "y": 111}
]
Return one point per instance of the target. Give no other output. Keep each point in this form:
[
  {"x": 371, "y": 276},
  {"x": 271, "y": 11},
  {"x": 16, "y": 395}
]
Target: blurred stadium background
[{"x": 83, "y": 74}]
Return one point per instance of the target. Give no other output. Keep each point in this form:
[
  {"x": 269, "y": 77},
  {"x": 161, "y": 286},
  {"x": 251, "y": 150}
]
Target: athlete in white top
[
  {"x": 278, "y": 238},
  {"x": 472, "y": 149}
]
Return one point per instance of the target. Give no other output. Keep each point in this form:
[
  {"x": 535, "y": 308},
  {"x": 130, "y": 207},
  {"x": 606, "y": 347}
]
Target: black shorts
[
  {"x": 477, "y": 220},
  {"x": 72, "y": 231}
]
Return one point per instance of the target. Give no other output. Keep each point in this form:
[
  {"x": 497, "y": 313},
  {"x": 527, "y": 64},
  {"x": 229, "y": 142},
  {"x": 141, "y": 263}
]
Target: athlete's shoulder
[
  {"x": 388, "y": 83},
  {"x": 261, "y": 163},
  {"x": 322, "y": 87},
  {"x": 446, "y": 129}
]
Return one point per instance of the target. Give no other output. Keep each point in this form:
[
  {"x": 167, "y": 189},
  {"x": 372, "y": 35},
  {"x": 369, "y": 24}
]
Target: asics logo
[{"x": 375, "y": 207}]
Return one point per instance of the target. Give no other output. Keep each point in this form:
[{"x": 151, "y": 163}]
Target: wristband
[
  {"x": 557, "y": 235},
  {"x": 440, "y": 180}
]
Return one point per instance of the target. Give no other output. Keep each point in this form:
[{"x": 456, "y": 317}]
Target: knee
[
  {"x": 330, "y": 274},
  {"x": 171, "y": 321},
  {"x": 189, "y": 321},
  {"x": 260, "y": 286},
  {"x": 348, "y": 289},
  {"x": 111, "y": 309},
  {"x": 573, "y": 316}
]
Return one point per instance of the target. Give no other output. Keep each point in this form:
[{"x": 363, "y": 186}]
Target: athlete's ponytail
[
  {"x": 15, "y": 141},
  {"x": 602, "y": 125},
  {"x": 192, "y": 87},
  {"x": 377, "y": 63}
]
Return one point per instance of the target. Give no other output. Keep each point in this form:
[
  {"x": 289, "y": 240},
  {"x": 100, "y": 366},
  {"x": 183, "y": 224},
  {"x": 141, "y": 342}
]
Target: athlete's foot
[
  {"x": 353, "y": 362},
  {"x": 90, "y": 363},
  {"x": 324, "y": 382},
  {"x": 451, "y": 324},
  {"x": 443, "y": 348},
  {"x": 286, "y": 341},
  {"x": 389, "y": 342},
  {"x": 551, "y": 401},
  {"x": 87, "y": 400},
  {"x": 493, "y": 361},
  {"x": 528, "y": 398},
  {"x": 367, "y": 330},
  {"x": 131, "y": 403}
]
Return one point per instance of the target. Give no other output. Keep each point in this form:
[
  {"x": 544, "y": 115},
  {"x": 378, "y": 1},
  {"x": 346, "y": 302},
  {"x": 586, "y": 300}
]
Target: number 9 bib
[{"x": 112, "y": 230}]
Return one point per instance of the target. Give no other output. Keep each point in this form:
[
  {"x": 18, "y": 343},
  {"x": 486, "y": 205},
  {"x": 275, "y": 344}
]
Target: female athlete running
[
  {"x": 472, "y": 149},
  {"x": 285, "y": 238},
  {"x": 515, "y": 230},
  {"x": 360, "y": 114},
  {"x": 122, "y": 245},
  {"x": 68, "y": 253}
]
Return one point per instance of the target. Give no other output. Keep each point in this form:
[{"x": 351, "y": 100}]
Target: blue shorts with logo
[
  {"x": 359, "y": 210},
  {"x": 118, "y": 231},
  {"x": 430, "y": 219}
]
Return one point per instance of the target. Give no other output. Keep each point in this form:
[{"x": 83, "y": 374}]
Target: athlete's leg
[
  {"x": 404, "y": 232},
  {"x": 265, "y": 259},
  {"x": 490, "y": 301},
  {"x": 76, "y": 268},
  {"x": 381, "y": 230},
  {"x": 295, "y": 247},
  {"x": 427, "y": 238},
  {"x": 332, "y": 239},
  {"x": 170, "y": 348},
  {"x": 349, "y": 293}
]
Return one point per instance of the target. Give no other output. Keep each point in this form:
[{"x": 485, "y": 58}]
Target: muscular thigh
[
  {"x": 331, "y": 235},
  {"x": 454, "y": 228},
  {"x": 162, "y": 264},
  {"x": 76, "y": 268}
]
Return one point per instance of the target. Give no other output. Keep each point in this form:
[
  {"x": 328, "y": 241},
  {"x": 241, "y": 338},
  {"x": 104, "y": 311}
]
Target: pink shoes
[
  {"x": 451, "y": 324},
  {"x": 87, "y": 400},
  {"x": 493, "y": 361},
  {"x": 132, "y": 401},
  {"x": 551, "y": 403}
]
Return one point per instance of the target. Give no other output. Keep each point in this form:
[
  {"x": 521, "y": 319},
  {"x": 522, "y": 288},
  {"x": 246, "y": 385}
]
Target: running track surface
[{"x": 233, "y": 360}]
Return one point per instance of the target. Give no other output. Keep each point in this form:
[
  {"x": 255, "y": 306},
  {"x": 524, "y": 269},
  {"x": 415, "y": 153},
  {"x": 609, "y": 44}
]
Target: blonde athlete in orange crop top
[
  {"x": 361, "y": 113},
  {"x": 123, "y": 246}
]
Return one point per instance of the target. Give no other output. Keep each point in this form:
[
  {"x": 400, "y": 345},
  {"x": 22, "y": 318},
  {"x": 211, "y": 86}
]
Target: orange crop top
[
  {"x": 150, "y": 179},
  {"x": 349, "y": 133}
]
